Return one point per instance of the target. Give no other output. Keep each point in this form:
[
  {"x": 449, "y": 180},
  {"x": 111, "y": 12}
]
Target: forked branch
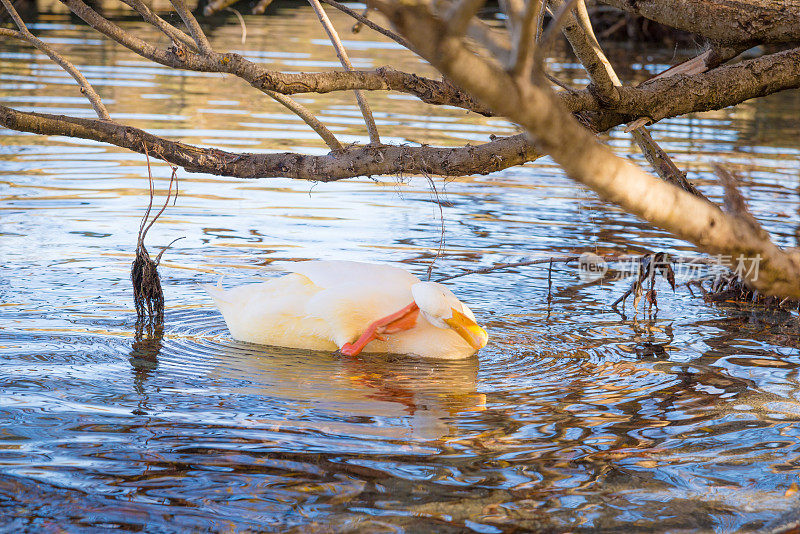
[
  {"x": 535, "y": 107},
  {"x": 24, "y": 34},
  {"x": 341, "y": 53}
]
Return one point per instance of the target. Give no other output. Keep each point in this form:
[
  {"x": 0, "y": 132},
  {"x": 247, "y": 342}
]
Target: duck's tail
[{"x": 217, "y": 292}]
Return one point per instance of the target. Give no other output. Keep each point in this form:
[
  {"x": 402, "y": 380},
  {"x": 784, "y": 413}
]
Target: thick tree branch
[
  {"x": 537, "y": 109},
  {"x": 716, "y": 89},
  {"x": 710, "y": 59},
  {"x": 499, "y": 154},
  {"x": 727, "y": 22}
]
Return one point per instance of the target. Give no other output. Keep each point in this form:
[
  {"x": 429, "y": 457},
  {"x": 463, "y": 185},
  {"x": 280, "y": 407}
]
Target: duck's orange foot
[
  {"x": 349, "y": 349},
  {"x": 396, "y": 322}
]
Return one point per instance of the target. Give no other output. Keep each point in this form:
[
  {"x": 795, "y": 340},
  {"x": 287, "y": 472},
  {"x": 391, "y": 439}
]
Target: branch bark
[
  {"x": 341, "y": 53},
  {"x": 24, "y": 34},
  {"x": 727, "y": 22},
  {"x": 537, "y": 109},
  {"x": 499, "y": 154},
  {"x": 366, "y": 22},
  {"x": 203, "y": 45}
]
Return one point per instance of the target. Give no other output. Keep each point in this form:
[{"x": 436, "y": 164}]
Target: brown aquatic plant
[{"x": 148, "y": 296}]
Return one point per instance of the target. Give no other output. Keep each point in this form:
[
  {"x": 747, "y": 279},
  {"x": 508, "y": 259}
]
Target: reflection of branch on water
[{"x": 146, "y": 345}]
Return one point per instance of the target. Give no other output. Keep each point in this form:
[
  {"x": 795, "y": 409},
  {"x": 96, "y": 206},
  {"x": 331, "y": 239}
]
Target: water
[{"x": 572, "y": 418}]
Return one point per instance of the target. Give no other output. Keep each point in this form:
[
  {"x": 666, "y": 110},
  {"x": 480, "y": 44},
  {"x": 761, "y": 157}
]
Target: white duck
[{"x": 352, "y": 307}]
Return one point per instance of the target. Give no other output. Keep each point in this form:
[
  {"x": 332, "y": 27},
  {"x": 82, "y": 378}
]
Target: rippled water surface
[{"x": 572, "y": 418}]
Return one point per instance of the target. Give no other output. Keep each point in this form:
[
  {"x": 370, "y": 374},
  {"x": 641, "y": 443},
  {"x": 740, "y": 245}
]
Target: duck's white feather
[
  {"x": 274, "y": 313},
  {"x": 334, "y": 273},
  {"x": 321, "y": 305}
]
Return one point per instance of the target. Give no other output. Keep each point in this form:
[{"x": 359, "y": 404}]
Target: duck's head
[{"x": 442, "y": 309}]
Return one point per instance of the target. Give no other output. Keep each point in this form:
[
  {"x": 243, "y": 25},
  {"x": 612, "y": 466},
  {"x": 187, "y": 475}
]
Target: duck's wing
[
  {"x": 274, "y": 313},
  {"x": 328, "y": 274},
  {"x": 350, "y": 308}
]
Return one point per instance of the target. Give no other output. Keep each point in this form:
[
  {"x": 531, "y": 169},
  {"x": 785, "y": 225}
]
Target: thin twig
[
  {"x": 559, "y": 83},
  {"x": 460, "y": 14},
  {"x": 525, "y": 39},
  {"x": 572, "y": 257},
  {"x": 308, "y": 117},
  {"x": 194, "y": 27},
  {"x": 548, "y": 38},
  {"x": 374, "y": 138},
  {"x": 150, "y": 204},
  {"x": 441, "y": 225},
  {"x": 24, "y": 34},
  {"x": 355, "y": 28},
  {"x": 241, "y": 23},
  {"x": 168, "y": 29},
  {"x": 366, "y": 22},
  {"x": 503, "y": 266}
]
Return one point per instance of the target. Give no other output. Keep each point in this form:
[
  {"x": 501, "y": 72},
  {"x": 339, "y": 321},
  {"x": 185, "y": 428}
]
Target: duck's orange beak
[{"x": 468, "y": 329}]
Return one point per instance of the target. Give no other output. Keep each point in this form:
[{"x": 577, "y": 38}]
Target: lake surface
[{"x": 573, "y": 418}]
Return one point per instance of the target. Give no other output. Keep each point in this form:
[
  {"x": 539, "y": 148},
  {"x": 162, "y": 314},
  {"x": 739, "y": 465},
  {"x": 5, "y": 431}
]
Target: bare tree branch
[
  {"x": 178, "y": 54},
  {"x": 662, "y": 163},
  {"x": 525, "y": 39},
  {"x": 194, "y": 27},
  {"x": 25, "y": 35},
  {"x": 168, "y": 29},
  {"x": 604, "y": 82},
  {"x": 711, "y": 58},
  {"x": 501, "y": 153},
  {"x": 366, "y": 22},
  {"x": 536, "y": 108},
  {"x": 718, "y": 88},
  {"x": 308, "y": 118},
  {"x": 341, "y": 53},
  {"x": 460, "y": 14},
  {"x": 578, "y": 30},
  {"x": 727, "y": 22}
]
